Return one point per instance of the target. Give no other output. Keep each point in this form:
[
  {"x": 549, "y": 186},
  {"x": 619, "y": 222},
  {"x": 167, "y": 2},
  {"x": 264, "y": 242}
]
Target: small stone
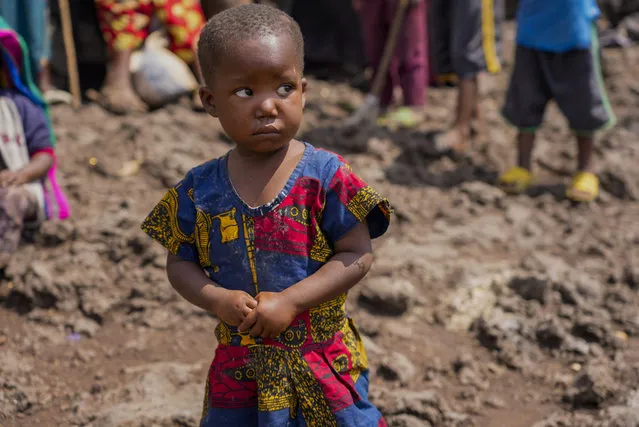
[
  {"x": 576, "y": 367},
  {"x": 531, "y": 287},
  {"x": 550, "y": 334},
  {"x": 482, "y": 193},
  {"x": 85, "y": 327},
  {"x": 621, "y": 335},
  {"x": 591, "y": 388},
  {"x": 576, "y": 345},
  {"x": 470, "y": 377},
  {"x": 397, "y": 367},
  {"x": 588, "y": 287},
  {"x": 494, "y": 402},
  {"x": 386, "y": 296},
  {"x": 569, "y": 294},
  {"x": 591, "y": 330},
  {"x": 425, "y": 404}
]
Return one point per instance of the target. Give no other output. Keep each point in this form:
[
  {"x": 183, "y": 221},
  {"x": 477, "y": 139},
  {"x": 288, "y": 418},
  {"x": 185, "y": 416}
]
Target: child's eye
[
  {"x": 244, "y": 93},
  {"x": 285, "y": 89}
]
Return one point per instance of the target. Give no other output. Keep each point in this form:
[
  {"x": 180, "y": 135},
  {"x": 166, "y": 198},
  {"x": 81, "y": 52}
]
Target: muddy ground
[{"x": 481, "y": 310}]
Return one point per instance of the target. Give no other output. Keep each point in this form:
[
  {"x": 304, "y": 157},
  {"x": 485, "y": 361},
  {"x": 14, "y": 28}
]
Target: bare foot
[
  {"x": 455, "y": 140},
  {"x": 121, "y": 101},
  {"x": 196, "y": 102}
]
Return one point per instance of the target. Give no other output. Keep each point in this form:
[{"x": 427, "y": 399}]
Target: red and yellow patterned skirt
[
  {"x": 125, "y": 23},
  {"x": 314, "y": 374}
]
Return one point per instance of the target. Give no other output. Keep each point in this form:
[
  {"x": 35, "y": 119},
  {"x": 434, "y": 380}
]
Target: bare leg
[
  {"x": 44, "y": 78},
  {"x": 459, "y": 138},
  {"x": 585, "y": 185},
  {"x": 585, "y": 146},
  {"x": 516, "y": 180},
  {"x": 525, "y": 145},
  {"x": 467, "y": 104},
  {"x": 117, "y": 94}
]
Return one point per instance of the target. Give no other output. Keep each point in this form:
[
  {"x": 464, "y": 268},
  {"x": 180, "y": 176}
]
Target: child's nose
[{"x": 267, "y": 108}]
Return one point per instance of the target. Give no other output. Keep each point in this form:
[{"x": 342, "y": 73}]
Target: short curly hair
[{"x": 241, "y": 23}]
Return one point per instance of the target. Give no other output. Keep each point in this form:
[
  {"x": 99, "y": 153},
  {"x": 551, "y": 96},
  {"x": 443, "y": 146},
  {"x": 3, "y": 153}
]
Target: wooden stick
[
  {"x": 389, "y": 49},
  {"x": 69, "y": 48}
]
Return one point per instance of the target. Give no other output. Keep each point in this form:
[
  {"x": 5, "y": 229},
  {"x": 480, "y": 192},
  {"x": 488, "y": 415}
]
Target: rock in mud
[
  {"x": 500, "y": 327},
  {"x": 620, "y": 416},
  {"x": 426, "y": 405},
  {"x": 397, "y": 367},
  {"x": 631, "y": 275},
  {"x": 386, "y": 296},
  {"x": 158, "y": 394},
  {"x": 592, "y": 330},
  {"x": 576, "y": 345},
  {"x": 550, "y": 334},
  {"x": 482, "y": 193},
  {"x": 533, "y": 287},
  {"x": 591, "y": 388}
]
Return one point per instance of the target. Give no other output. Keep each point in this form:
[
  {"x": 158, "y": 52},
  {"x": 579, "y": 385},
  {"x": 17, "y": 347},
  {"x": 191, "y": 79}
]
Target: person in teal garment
[
  {"x": 270, "y": 238},
  {"x": 557, "y": 58},
  {"x": 29, "y": 19}
]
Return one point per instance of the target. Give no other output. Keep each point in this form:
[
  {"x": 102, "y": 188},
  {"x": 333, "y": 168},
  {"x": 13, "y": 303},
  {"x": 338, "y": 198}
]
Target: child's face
[{"x": 258, "y": 94}]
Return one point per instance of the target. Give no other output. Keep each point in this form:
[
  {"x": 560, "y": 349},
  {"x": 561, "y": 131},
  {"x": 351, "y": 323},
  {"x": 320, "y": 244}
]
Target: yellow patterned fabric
[
  {"x": 162, "y": 224},
  {"x": 281, "y": 368}
]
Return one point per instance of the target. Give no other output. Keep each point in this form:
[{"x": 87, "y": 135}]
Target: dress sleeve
[
  {"x": 349, "y": 200},
  {"x": 34, "y": 123},
  {"x": 172, "y": 221}
]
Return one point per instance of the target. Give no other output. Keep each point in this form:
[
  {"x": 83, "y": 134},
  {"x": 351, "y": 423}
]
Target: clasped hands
[
  {"x": 10, "y": 178},
  {"x": 267, "y": 315}
]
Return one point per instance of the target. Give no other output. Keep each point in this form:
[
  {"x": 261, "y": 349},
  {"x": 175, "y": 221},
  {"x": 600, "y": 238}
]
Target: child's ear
[
  {"x": 304, "y": 86},
  {"x": 208, "y": 101}
]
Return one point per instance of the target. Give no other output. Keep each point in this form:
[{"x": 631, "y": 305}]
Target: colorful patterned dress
[{"x": 316, "y": 372}]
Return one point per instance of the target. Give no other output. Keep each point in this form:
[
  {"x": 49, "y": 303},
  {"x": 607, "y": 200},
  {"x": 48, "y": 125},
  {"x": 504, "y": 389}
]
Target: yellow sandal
[
  {"x": 403, "y": 117},
  {"x": 584, "y": 187},
  {"x": 516, "y": 180}
]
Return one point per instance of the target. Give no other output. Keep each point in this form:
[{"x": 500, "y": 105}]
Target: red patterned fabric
[{"x": 125, "y": 24}]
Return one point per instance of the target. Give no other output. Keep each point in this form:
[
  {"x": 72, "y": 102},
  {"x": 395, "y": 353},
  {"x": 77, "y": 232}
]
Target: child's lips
[{"x": 267, "y": 130}]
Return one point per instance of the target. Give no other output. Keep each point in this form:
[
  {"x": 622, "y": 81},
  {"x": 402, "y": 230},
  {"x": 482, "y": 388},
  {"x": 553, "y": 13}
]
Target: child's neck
[
  {"x": 260, "y": 159},
  {"x": 259, "y": 177}
]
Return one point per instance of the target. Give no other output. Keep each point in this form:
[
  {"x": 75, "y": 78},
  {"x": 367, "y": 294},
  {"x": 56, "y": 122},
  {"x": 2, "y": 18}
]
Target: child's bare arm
[
  {"x": 36, "y": 169},
  {"x": 350, "y": 263},
  {"x": 189, "y": 280}
]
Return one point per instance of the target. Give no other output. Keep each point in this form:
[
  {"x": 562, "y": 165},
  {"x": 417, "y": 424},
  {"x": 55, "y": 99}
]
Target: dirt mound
[{"x": 482, "y": 309}]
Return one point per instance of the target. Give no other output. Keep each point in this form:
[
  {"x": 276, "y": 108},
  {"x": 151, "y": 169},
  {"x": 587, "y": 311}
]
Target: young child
[
  {"x": 28, "y": 189},
  {"x": 409, "y": 65},
  {"x": 465, "y": 44},
  {"x": 557, "y": 58},
  {"x": 270, "y": 237}
]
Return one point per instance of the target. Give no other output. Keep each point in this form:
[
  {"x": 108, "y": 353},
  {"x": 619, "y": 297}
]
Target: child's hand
[
  {"x": 274, "y": 313},
  {"x": 11, "y": 178},
  {"x": 233, "y": 308}
]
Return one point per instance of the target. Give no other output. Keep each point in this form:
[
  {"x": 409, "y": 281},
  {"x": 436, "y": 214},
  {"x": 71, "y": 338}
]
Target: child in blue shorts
[{"x": 557, "y": 58}]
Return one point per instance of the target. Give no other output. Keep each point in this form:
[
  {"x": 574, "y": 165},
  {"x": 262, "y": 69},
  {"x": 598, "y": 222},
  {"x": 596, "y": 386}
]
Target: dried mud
[{"x": 481, "y": 310}]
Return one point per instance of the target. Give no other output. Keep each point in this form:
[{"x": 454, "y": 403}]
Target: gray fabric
[
  {"x": 570, "y": 78},
  {"x": 457, "y": 37}
]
